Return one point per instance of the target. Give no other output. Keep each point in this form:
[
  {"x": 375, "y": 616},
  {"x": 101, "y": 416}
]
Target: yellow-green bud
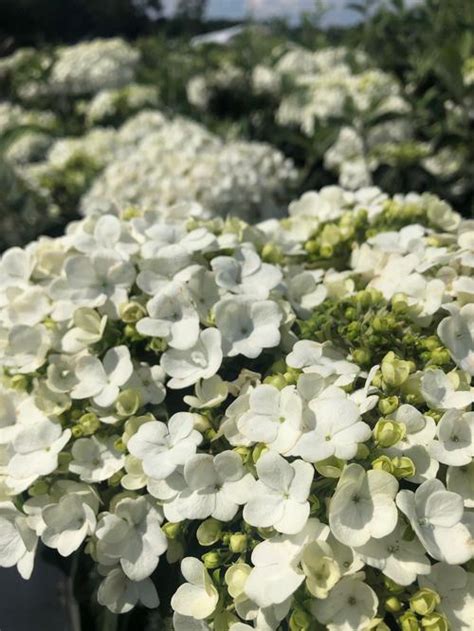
[
  {"x": 440, "y": 356},
  {"x": 19, "y": 382},
  {"x": 395, "y": 371},
  {"x": 209, "y": 532},
  {"x": 212, "y": 559},
  {"x": 330, "y": 467},
  {"x": 382, "y": 627},
  {"x": 311, "y": 247},
  {"x": 424, "y": 601},
  {"x": 393, "y": 605},
  {"x": 361, "y": 356},
  {"x": 38, "y": 488},
  {"x": 314, "y": 504},
  {"x": 388, "y": 405},
  {"x": 435, "y": 622},
  {"x": 388, "y": 433},
  {"x": 271, "y": 253},
  {"x": 403, "y": 467},
  {"x": 119, "y": 445},
  {"x": 132, "y": 311},
  {"x": 300, "y": 620},
  {"x": 238, "y": 543},
  {"x": 362, "y": 452},
  {"x": 278, "y": 381},
  {"x": 399, "y": 303},
  {"x": 326, "y": 251},
  {"x": 382, "y": 463},
  {"x": 392, "y": 587},
  {"x": 89, "y": 423},
  {"x": 115, "y": 479},
  {"x": 258, "y": 451},
  {"x": 131, "y": 332},
  {"x": 64, "y": 459},
  {"x": 291, "y": 375},
  {"x": 409, "y": 622},
  {"x": 158, "y": 345},
  {"x": 244, "y": 453},
  {"x": 130, "y": 213},
  {"x": 128, "y": 402},
  {"x": 172, "y": 530},
  {"x": 76, "y": 431},
  {"x": 330, "y": 235}
]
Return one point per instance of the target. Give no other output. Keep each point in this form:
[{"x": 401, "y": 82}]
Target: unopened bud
[
  {"x": 209, "y": 532},
  {"x": 424, "y": 601},
  {"x": 388, "y": 433}
]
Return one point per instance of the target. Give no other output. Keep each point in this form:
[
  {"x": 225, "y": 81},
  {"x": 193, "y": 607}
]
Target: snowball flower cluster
[{"x": 284, "y": 410}]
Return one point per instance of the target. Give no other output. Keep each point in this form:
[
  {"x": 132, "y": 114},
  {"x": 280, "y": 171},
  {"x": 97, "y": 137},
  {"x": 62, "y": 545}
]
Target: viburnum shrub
[{"x": 281, "y": 410}]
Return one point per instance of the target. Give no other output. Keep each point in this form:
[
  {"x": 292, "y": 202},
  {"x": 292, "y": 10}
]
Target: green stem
[{"x": 110, "y": 621}]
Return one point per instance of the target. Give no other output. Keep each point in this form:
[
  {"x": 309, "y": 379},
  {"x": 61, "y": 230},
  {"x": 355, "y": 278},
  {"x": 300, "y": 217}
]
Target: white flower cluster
[
  {"x": 201, "y": 88},
  {"x": 92, "y": 66},
  {"x": 295, "y": 397},
  {"x": 183, "y": 161},
  {"x": 110, "y": 103},
  {"x": 13, "y": 115}
]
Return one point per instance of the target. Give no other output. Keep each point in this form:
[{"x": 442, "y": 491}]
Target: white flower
[
  {"x": 440, "y": 391},
  {"x": 273, "y": 417},
  {"x": 456, "y": 588},
  {"x": 119, "y": 594},
  {"x": 276, "y": 574},
  {"x": 460, "y": 480},
  {"x": 132, "y": 536},
  {"x": 24, "y": 347},
  {"x": 215, "y": 487},
  {"x": 336, "y": 430},
  {"x": 350, "y": 606},
  {"x": 397, "y": 558},
  {"x": 17, "y": 540},
  {"x": 95, "y": 459},
  {"x": 323, "y": 360},
  {"x": 198, "y": 597},
  {"x": 209, "y": 393},
  {"x": 363, "y": 505},
  {"x": 101, "y": 381},
  {"x": 455, "y": 444},
  {"x": 162, "y": 448},
  {"x": 68, "y": 523},
  {"x": 36, "y": 446},
  {"x": 148, "y": 381},
  {"x": 173, "y": 317},
  {"x": 244, "y": 273},
  {"x": 88, "y": 329},
  {"x": 438, "y": 519},
  {"x": 280, "y": 495},
  {"x": 201, "y": 361},
  {"x": 457, "y": 334},
  {"x": 248, "y": 326}
]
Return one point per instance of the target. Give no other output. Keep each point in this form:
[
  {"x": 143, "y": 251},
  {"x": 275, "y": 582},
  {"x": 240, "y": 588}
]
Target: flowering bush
[{"x": 284, "y": 409}]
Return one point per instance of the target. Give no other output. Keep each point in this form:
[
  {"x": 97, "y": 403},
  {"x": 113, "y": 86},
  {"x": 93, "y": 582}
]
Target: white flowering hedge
[{"x": 282, "y": 409}]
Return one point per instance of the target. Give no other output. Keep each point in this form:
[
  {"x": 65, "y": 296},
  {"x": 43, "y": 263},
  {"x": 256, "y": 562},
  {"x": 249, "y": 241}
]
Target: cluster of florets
[{"x": 284, "y": 409}]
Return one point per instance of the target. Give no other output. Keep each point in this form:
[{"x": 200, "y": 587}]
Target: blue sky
[{"x": 261, "y": 9}]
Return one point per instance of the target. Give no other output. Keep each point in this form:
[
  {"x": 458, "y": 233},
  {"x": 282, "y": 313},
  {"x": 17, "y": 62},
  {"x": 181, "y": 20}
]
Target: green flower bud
[
  {"x": 431, "y": 343},
  {"x": 128, "y": 402},
  {"x": 89, "y": 424},
  {"x": 38, "y": 488},
  {"x": 172, "y": 530},
  {"x": 209, "y": 532},
  {"x": 388, "y": 433},
  {"x": 393, "y": 605},
  {"x": 382, "y": 463},
  {"x": 388, "y": 405},
  {"x": 326, "y": 251},
  {"x": 392, "y": 587},
  {"x": 76, "y": 431},
  {"x": 361, "y": 356},
  {"x": 278, "y": 381},
  {"x": 424, "y": 601},
  {"x": 131, "y": 333},
  {"x": 409, "y": 622},
  {"x": 382, "y": 627},
  {"x": 314, "y": 504},
  {"x": 291, "y": 375},
  {"x": 363, "y": 452},
  {"x": 300, "y": 620},
  {"x": 258, "y": 451},
  {"x": 350, "y": 313},
  {"x": 63, "y": 462},
  {"x": 440, "y": 357},
  {"x": 131, "y": 312},
  {"x": 119, "y": 445},
  {"x": 244, "y": 453},
  {"x": 238, "y": 543},
  {"x": 435, "y": 622},
  {"x": 330, "y": 467},
  {"x": 212, "y": 559},
  {"x": 19, "y": 382},
  {"x": 130, "y": 213},
  {"x": 403, "y": 467},
  {"x": 311, "y": 247},
  {"x": 330, "y": 235},
  {"x": 157, "y": 345},
  {"x": 271, "y": 253},
  {"x": 399, "y": 303},
  {"x": 395, "y": 371},
  {"x": 115, "y": 479},
  {"x": 266, "y": 533}
]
